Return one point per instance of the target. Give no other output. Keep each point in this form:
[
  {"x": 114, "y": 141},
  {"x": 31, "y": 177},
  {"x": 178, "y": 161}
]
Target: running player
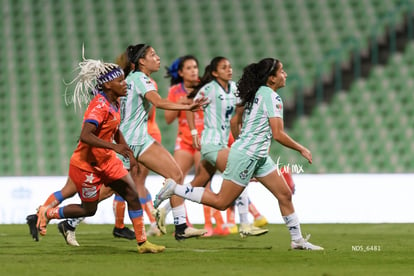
[
  {"x": 94, "y": 162},
  {"x": 261, "y": 119},
  {"x": 142, "y": 94},
  {"x": 217, "y": 87},
  {"x": 184, "y": 77}
]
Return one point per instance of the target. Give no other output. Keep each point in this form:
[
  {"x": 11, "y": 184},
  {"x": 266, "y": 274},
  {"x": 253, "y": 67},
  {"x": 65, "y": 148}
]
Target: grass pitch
[{"x": 350, "y": 249}]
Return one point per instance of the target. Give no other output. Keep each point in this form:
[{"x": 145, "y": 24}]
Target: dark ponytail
[
  {"x": 123, "y": 62},
  {"x": 254, "y": 76},
  {"x": 135, "y": 52},
  {"x": 208, "y": 75}
]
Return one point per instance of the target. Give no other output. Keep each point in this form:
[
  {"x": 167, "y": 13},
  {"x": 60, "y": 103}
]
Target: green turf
[{"x": 350, "y": 250}]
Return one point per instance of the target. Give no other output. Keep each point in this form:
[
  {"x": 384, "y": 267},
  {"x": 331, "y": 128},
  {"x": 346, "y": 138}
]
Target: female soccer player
[
  {"x": 141, "y": 173},
  {"x": 142, "y": 94},
  {"x": 261, "y": 120},
  {"x": 217, "y": 87},
  {"x": 94, "y": 162},
  {"x": 68, "y": 227},
  {"x": 184, "y": 77}
]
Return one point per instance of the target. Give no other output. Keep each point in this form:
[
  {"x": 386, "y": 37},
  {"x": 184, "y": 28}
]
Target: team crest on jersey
[
  {"x": 101, "y": 103},
  {"x": 243, "y": 174},
  {"x": 279, "y": 105}
]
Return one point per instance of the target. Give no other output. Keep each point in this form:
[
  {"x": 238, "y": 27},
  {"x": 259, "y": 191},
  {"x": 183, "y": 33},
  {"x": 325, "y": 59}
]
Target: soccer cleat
[
  {"x": 159, "y": 215},
  {"x": 250, "y": 230},
  {"x": 31, "y": 220},
  {"x": 166, "y": 191},
  {"x": 260, "y": 221},
  {"x": 154, "y": 231},
  {"x": 42, "y": 220},
  {"x": 233, "y": 228},
  {"x": 190, "y": 232},
  {"x": 68, "y": 235},
  {"x": 148, "y": 247},
  {"x": 303, "y": 244},
  {"x": 125, "y": 233}
]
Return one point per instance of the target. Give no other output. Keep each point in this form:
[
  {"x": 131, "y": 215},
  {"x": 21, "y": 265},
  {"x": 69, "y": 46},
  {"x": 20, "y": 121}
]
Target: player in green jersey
[{"x": 261, "y": 120}]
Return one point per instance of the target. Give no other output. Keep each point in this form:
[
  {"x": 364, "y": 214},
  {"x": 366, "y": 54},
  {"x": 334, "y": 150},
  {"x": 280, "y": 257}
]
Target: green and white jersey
[
  {"x": 256, "y": 134},
  {"x": 218, "y": 112},
  {"x": 135, "y": 108}
]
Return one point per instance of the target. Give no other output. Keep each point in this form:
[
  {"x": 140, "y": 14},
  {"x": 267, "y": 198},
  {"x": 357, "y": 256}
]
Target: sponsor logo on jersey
[{"x": 89, "y": 191}]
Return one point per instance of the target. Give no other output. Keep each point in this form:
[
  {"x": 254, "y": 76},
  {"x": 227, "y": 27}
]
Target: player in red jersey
[
  {"x": 68, "y": 227},
  {"x": 94, "y": 162}
]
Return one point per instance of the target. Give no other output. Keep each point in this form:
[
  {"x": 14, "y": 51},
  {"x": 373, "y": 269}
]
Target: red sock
[
  {"x": 51, "y": 201},
  {"x": 207, "y": 216},
  {"x": 139, "y": 229},
  {"x": 53, "y": 213},
  {"x": 149, "y": 207},
  {"x": 252, "y": 209},
  {"x": 231, "y": 219},
  {"x": 186, "y": 218},
  {"x": 218, "y": 218},
  {"x": 118, "y": 207}
]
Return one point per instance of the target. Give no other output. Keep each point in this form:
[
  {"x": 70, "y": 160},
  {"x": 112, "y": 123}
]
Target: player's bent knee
[
  {"x": 90, "y": 212},
  {"x": 285, "y": 198},
  {"x": 178, "y": 177}
]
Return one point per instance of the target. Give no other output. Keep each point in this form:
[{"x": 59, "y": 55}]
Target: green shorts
[
  {"x": 241, "y": 167},
  {"x": 138, "y": 150},
  {"x": 209, "y": 152}
]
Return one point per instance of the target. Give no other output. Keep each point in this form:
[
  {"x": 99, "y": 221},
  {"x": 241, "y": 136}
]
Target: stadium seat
[{"x": 49, "y": 35}]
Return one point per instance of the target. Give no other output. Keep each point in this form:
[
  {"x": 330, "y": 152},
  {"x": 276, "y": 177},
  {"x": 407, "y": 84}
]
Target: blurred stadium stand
[{"x": 349, "y": 95}]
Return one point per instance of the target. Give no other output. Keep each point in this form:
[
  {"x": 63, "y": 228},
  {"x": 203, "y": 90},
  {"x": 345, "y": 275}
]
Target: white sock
[
  {"x": 244, "y": 218},
  {"x": 292, "y": 223},
  {"x": 167, "y": 207},
  {"x": 179, "y": 215},
  {"x": 242, "y": 203},
  {"x": 189, "y": 192},
  {"x": 74, "y": 222}
]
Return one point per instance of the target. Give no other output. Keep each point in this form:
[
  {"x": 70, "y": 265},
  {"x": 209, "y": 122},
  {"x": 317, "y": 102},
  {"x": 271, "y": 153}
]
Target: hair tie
[
  {"x": 173, "y": 69},
  {"x": 272, "y": 68},
  {"x": 138, "y": 55}
]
